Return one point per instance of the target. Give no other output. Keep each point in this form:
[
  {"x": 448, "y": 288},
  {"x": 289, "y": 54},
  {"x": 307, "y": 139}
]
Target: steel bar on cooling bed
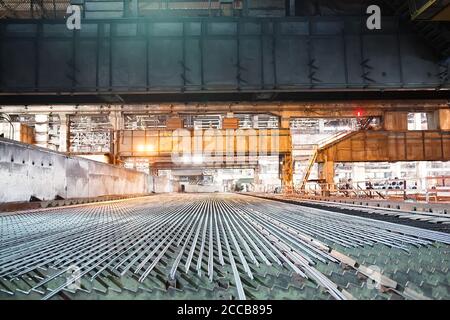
[{"x": 136, "y": 238}]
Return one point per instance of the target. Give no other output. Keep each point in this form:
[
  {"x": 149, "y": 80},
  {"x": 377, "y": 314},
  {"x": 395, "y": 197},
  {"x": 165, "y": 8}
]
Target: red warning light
[{"x": 359, "y": 113}]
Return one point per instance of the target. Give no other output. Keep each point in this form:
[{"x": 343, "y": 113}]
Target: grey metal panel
[
  {"x": 56, "y": 30},
  {"x": 55, "y": 69},
  {"x": 354, "y": 60},
  {"x": 20, "y": 30},
  {"x": 104, "y": 6},
  {"x": 292, "y": 61},
  {"x": 166, "y": 29},
  {"x": 104, "y": 64},
  {"x": 193, "y": 63},
  {"x": 166, "y": 66},
  {"x": 327, "y": 27},
  {"x": 85, "y": 55},
  {"x": 293, "y": 27},
  {"x": 268, "y": 65},
  {"x": 125, "y": 29},
  {"x": 19, "y": 54},
  {"x": 219, "y": 54},
  {"x": 128, "y": 64},
  {"x": 250, "y": 63},
  {"x": 89, "y": 30},
  {"x": 414, "y": 53},
  {"x": 103, "y": 14},
  {"x": 222, "y": 28},
  {"x": 193, "y": 28},
  {"x": 220, "y": 62},
  {"x": 329, "y": 61},
  {"x": 250, "y": 28},
  {"x": 383, "y": 59}
]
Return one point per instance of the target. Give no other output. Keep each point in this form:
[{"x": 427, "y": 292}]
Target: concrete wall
[
  {"x": 27, "y": 171},
  {"x": 163, "y": 184},
  {"x": 198, "y": 188}
]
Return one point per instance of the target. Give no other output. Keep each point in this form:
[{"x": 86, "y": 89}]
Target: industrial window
[{"x": 417, "y": 121}]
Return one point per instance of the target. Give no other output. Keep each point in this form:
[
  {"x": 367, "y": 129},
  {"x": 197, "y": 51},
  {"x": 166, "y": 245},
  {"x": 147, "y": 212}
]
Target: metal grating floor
[{"x": 216, "y": 246}]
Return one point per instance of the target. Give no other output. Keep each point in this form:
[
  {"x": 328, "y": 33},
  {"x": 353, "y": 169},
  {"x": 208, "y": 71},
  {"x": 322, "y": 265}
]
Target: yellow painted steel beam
[
  {"x": 435, "y": 10},
  {"x": 418, "y": 11},
  {"x": 241, "y": 142},
  {"x": 373, "y": 146}
]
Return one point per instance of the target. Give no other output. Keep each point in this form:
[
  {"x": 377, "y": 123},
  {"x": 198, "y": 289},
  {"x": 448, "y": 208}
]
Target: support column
[
  {"x": 255, "y": 121},
  {"x": 245, "y": 7},
  {"x": 287, "y": 170},
  {"x": 153, "y": 171},
  {"x": 287, "y": 174},
  {"x": 116, "y": 120},
  {"x": 359, "y": 174},
  {"x": 321, "y": 125},
  {"x": 327, "y": 174},
  {"x": 421, "y": 173},
  {"x": 396, "y": 170},
  {"x": 63, "y": 132},
  {"x": 285, "y": 122},
  {"x": 133, "y": 8},
  {"x": 292, "y": 7},
  {"x": 41, "y": 130},
  {"x": 433, "y": 120},
  {"x": 256, "y": 180}
]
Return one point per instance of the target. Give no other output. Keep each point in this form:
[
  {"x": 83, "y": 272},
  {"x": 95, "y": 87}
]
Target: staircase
[
  {"x": 314, "y": 150},
  {"x": 436, "y": 34},
  {"x": 308, "y": 169}
]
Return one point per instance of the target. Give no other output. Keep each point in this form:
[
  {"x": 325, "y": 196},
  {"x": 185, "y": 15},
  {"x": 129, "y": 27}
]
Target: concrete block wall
[
  {"x": 189, "y": 188},
  {"x": 27, "y": 171}
]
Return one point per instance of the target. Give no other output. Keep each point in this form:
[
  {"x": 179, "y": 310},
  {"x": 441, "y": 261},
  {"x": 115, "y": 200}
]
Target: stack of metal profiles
[{"x": 216, "y": 246}]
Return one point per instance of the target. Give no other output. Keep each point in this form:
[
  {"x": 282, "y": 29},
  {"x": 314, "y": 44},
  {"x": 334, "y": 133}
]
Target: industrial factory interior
[{"x": 224, "y": 150}]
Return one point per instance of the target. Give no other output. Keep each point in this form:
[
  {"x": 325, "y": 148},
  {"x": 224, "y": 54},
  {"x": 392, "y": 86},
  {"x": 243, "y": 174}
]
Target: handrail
[
  {"x": 339, "y": 136},
  {"x": 327, "y": 142},
  {"x": 417, "y": 188}
]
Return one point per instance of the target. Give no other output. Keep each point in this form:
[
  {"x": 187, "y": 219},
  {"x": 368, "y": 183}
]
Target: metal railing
[
  {"x": 38, "y": 9},
  {"x": 419, "y": 189},
  {"x": 33, "y": 8}
]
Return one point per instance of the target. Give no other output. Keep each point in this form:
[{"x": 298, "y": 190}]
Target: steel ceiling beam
[{"x": 213, "y": 55}]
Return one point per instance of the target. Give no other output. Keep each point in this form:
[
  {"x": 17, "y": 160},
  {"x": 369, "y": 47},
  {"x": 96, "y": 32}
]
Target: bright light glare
[
  {"x": 197, "y": 159},
  {"x": 145, "y": 148},
  {"x": 186, "y": 159}
]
